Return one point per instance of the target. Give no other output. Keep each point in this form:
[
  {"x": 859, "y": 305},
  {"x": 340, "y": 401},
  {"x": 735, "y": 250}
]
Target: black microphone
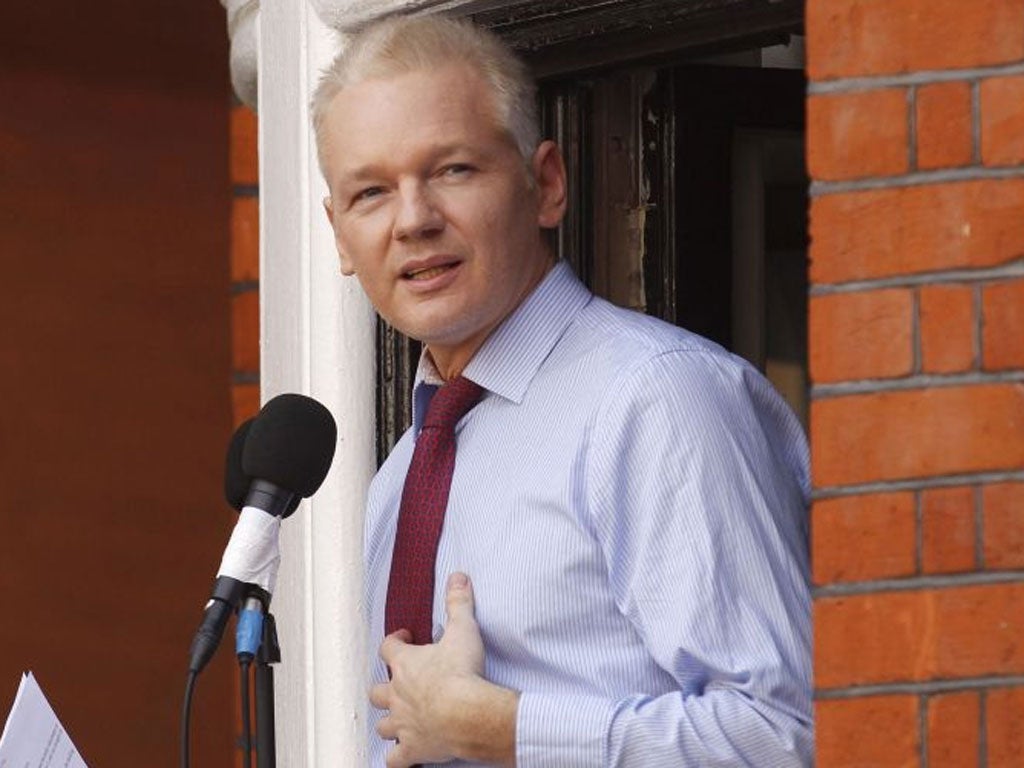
[
  {"x": 236, "y": 481},
  {"x": 285, "y": 453}
]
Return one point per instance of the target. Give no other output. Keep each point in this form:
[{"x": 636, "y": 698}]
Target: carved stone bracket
[{"x": 244, "y": 46}]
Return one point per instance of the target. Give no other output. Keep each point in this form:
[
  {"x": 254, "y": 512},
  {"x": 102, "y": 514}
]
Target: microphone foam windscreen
[
  {"x": 291, "y": 444},
  {"x": 236, "y": 481}
]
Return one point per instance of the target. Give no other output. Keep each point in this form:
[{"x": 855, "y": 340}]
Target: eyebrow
[{"x": 440, "y": 152}]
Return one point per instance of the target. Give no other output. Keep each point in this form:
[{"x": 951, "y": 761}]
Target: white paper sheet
[{"x": 33, "y": 736}]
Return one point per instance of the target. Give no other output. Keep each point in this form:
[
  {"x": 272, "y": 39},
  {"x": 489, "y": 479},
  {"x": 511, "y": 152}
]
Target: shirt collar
[{"x": 511, "y": 356}]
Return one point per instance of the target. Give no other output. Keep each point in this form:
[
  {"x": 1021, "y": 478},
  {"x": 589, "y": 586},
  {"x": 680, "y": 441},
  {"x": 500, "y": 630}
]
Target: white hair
[{"x": 402, "y": 44}]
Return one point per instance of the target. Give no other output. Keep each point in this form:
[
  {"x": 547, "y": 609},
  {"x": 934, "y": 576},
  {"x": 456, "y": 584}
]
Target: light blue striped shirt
[{"x": 630, "y": 501}]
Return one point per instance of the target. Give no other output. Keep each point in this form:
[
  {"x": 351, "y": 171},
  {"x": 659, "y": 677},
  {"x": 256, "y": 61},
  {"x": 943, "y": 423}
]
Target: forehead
[{"x": 389, "y": 118}]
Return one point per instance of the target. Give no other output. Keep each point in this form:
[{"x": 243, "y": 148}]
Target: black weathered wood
[
  {"x": 560, "y": 36},
  {"x": 397, "y": 356}
]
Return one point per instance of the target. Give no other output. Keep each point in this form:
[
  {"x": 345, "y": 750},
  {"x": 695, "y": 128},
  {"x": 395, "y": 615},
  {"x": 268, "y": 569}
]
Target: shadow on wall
[{"x": 114, "y": 210}]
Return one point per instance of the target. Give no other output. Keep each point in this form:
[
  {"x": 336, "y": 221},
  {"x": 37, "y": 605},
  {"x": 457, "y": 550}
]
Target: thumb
[
  {"x": 459, "y": 598},
  {"x": 461, "y": 632}
]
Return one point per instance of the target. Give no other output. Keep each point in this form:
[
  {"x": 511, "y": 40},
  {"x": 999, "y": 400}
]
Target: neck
[{"x": 450, "y": 361}]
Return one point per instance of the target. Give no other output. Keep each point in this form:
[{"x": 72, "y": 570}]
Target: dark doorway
[{"x": 689, "y": 200}]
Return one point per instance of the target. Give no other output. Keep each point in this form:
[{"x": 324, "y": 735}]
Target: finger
[
  {"x": 398, "y": 757},
  {"x": 386, "y": 728},
  {"x": 380, "y": 695},
  {"x": 459, "y": 597},
  {"x": 393, "y": 643}
]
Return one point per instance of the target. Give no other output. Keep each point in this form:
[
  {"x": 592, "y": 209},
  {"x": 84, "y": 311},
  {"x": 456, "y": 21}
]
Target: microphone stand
[{"x": 269, "y": 653}]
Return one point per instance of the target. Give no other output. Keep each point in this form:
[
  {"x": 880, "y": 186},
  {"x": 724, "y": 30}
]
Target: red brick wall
[
  {"x": 916, "y": 153},
  {"x": 245, "y": 264},
  {"x": 245, "y": 267}
]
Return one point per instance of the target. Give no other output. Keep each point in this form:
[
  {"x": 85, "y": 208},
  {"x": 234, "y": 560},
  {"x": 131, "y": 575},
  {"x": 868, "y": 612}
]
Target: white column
[{"x": 317, "y": 337}]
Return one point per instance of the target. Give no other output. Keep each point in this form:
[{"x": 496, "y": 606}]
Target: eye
[
  {"x": 367, "y": 194},
  {"x": 455, "y": 170}
]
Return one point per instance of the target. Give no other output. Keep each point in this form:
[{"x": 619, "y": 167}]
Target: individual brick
[
  {"x": 917, "y": 433},
  {"x": 947, "y": 328},
  {"x": 856, "y": 135},
  {"x": 919, "y": 635},
  {"x": 1002, "y": 120},
  {"x": 245, "y": 402},
  {"x": 948, "y": 530},
  {"x": 867, "y": 732},
  {"x": 245, "y": 332},
  {"x": 1002, "y": 329},
  {"x": 245, "y": 239},
  {"x": 857, "y": 538},
  {"x": 954, "y": 721},
  {"x": 1003, "y": 526},
  {"x": 944, "y": 125},
  {"x": 953, "y": 729},
  {"x": 244, "y": 153},
  {"x": 861, "y": 335},
  {"x": 850, "y": 38},
  {"x": 1004, "y": 716},
  {"x": 908, "y": 230}
]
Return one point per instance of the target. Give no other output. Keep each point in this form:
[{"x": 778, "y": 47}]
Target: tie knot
[{"x": 451, "y": 402}]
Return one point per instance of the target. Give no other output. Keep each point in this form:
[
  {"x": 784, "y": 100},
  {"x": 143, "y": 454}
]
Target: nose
[{"x": 418, "y": 215}]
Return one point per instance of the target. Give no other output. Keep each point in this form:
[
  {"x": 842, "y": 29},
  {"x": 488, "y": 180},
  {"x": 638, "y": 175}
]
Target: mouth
[{"x": 429, "y": 271}]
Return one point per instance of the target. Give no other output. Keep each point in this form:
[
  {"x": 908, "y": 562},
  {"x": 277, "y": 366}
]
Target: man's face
[{"x": 433, "y": 207}]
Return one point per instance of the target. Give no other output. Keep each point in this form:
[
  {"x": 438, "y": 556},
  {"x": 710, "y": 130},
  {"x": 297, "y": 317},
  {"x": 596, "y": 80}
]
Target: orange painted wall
[{"x": 115, "y": 359}]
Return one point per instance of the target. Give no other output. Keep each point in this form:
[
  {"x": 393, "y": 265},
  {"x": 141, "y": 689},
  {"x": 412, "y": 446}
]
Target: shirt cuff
[{"x": 562, "y": 730}]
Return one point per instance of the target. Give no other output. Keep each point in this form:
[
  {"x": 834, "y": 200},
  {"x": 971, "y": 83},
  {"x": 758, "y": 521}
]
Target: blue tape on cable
[{"x": 248, "y": 632}]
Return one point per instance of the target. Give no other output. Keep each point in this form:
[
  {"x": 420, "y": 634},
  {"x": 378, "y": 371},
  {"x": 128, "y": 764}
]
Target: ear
[
  {"x": 549, "y": 176},
  {"x": 346, "y": 264}
]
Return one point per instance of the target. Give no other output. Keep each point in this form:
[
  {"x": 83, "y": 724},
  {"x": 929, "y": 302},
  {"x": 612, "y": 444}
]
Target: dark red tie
[{"x": 410, "y": 602}]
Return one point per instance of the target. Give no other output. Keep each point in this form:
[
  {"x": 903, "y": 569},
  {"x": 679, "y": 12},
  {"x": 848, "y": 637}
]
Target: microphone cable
[
  {"x": 243, "y": 678},
  {"x": 186, "y": 716},
  {"x": 248, "y": 634},
  {"x": 248, "y": 637}
]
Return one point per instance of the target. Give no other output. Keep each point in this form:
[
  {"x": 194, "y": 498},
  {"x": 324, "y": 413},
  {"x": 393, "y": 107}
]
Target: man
[{"x": 621, "y": 576}]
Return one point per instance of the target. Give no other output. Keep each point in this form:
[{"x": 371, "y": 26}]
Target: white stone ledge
[{"x": 345, "y": 16}]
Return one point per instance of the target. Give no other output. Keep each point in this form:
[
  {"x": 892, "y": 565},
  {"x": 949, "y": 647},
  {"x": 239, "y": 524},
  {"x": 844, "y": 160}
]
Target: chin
[{"x": 447, "y": 330}]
